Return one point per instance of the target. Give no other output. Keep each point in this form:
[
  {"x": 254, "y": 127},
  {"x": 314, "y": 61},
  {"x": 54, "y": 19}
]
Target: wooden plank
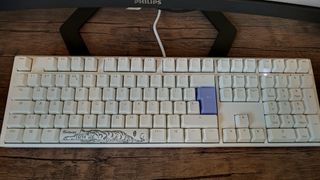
[{"x": 241, "y": 163}]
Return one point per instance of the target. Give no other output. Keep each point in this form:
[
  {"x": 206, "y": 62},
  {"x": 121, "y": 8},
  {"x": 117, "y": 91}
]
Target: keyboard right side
[{"x": 161, "y": 102}]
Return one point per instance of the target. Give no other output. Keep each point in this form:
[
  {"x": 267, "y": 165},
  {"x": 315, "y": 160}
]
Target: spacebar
[{"x": 107, "y": 136}]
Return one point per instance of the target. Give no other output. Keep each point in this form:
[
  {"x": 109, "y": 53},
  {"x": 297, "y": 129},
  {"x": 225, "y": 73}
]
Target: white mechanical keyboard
[{"x": 160, "y": 102}]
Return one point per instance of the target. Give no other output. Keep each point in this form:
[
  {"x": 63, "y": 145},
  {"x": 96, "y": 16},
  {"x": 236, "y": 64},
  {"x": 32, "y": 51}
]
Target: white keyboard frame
[{"x": 149, "y": 145}]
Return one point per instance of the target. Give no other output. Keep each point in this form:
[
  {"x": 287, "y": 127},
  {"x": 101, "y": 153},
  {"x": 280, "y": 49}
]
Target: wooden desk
[{"x": 117, "y": 32}]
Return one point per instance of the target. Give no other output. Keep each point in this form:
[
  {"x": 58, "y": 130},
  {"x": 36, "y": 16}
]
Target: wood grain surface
[{"x": 119, "y": 32}]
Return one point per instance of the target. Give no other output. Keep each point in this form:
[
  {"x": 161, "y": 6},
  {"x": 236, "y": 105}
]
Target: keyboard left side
[{"x": 50, "y": 94}]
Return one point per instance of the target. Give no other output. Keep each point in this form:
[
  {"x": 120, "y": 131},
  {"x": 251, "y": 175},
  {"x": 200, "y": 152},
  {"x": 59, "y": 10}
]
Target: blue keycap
[{"x": 207, "y": 99}]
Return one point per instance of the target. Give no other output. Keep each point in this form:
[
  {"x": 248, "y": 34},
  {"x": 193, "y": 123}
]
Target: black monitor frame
[
  {"x": 260, "y": 7},
  {"x": 212, "y": 9}
]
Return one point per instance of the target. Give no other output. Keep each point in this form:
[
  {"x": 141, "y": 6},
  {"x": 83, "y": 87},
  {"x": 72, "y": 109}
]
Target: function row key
[
  {"x": 66, "y": 64},
  {"x": 125, "y": 64},
  {"x": 284, "y": 65},
  {"x": 236, "y": 65},
  {"x": 264, "y": 65},
  {"x": 187, "y": 65}
]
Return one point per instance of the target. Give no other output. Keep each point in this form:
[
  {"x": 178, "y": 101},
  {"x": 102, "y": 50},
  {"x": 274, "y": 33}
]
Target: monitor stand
[{"x": 76, "y": 45}]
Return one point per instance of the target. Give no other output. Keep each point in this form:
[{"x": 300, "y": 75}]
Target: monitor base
[{"x": 70, "y": 32}]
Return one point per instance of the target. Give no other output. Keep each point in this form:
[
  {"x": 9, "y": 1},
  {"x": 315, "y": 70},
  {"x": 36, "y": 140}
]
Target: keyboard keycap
[
  {"x": 253, "y": 94},
  {"x": 149, "y": 65},
  {"x": 102, "y": 80},
  {"x": 173, "y": 121},
  {"x": 182, "y": 65},
  {"x": 225, "y": 81},
  {"x": 281, "y": 135},
  {"x": 257, "y": 135},
  {"x": 303, "y": 66},
  {"x": 136, "y": 65},
  {"x": 249, "y": 65},
  {"x": 199, "y": 121},
  {"x": 90, "y": 64},
  {"x": 175, "y": 136},
  {"x": 166, "y": 107},
  {"x": 291, "y": 66},
  {"x": 243, "y": 135},
  {"x": 123, "y": 64},
  {"x": 139, "y": 107},
  {"x": 132, "y": 121},
  {"x": 46, "y": 121},
  {"x": 32, "y": 121},
  {"x": 33, "y": 80},
  {"x": 77, "y": 64},
  {"x": 193, "y": 136},
  {"x": 61, "y": 121},
  {"x": 159, "y": 121},
  {"x": 272, "y": 121},
  {"x": 207, "y": 65},
  {"x": 156, "y": 81},
  {"x": 23, "y": 93},
  {"x": 22, "y": 107},
  {"x": 110, "y": 64},
  {"x": 111, "y": 107},
  {"x": 81, "y": 94},
  {"x": 24, "y": 63},
  {"x": 89, "y": 80},
  {"x": 302, "y": 135},
  {"x": 236, "y": 65},
  {"x": 182, "y": 81},
  {"x": 129, "y": 81},
  {"x": 210, "y": 135},
  {"x": 116, "y": 80},
  {"x": 143, "y": 81},
  {"x": 64, "y": 64},
  {"x": 103, "y": 121},
  {"x": 310, "y": 103},
  {"x": 267, "y": 81},
  {"x": 75, "y": 121},
  {"x": 50, "y": 136},
  {"x": 265, "y": 65},
  {"x": 32, "y": 136},
  {"x": 16, "y": 121},
  {"x": 226, "y": 95},
  {"x": 208, "y": 100},
  {"x": 224, "y": 65},
  {"x": 145, "y": 121},
  {"x": 194, "y": 65},
  {"x": 14, "y": 136},
  {"x": 202, "y": 81},
  {"x": 193, "y": 107},
  {"x": 89, "y": 121},
  {"x": 158, "y": 136},
  {"x": 169, "y": 81},
  {"x": 229, "y": 135},
  {"x": 278, "y": 65},
  {"x": 168, "y": 65},
  {"x": 313, "y": 127}
]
